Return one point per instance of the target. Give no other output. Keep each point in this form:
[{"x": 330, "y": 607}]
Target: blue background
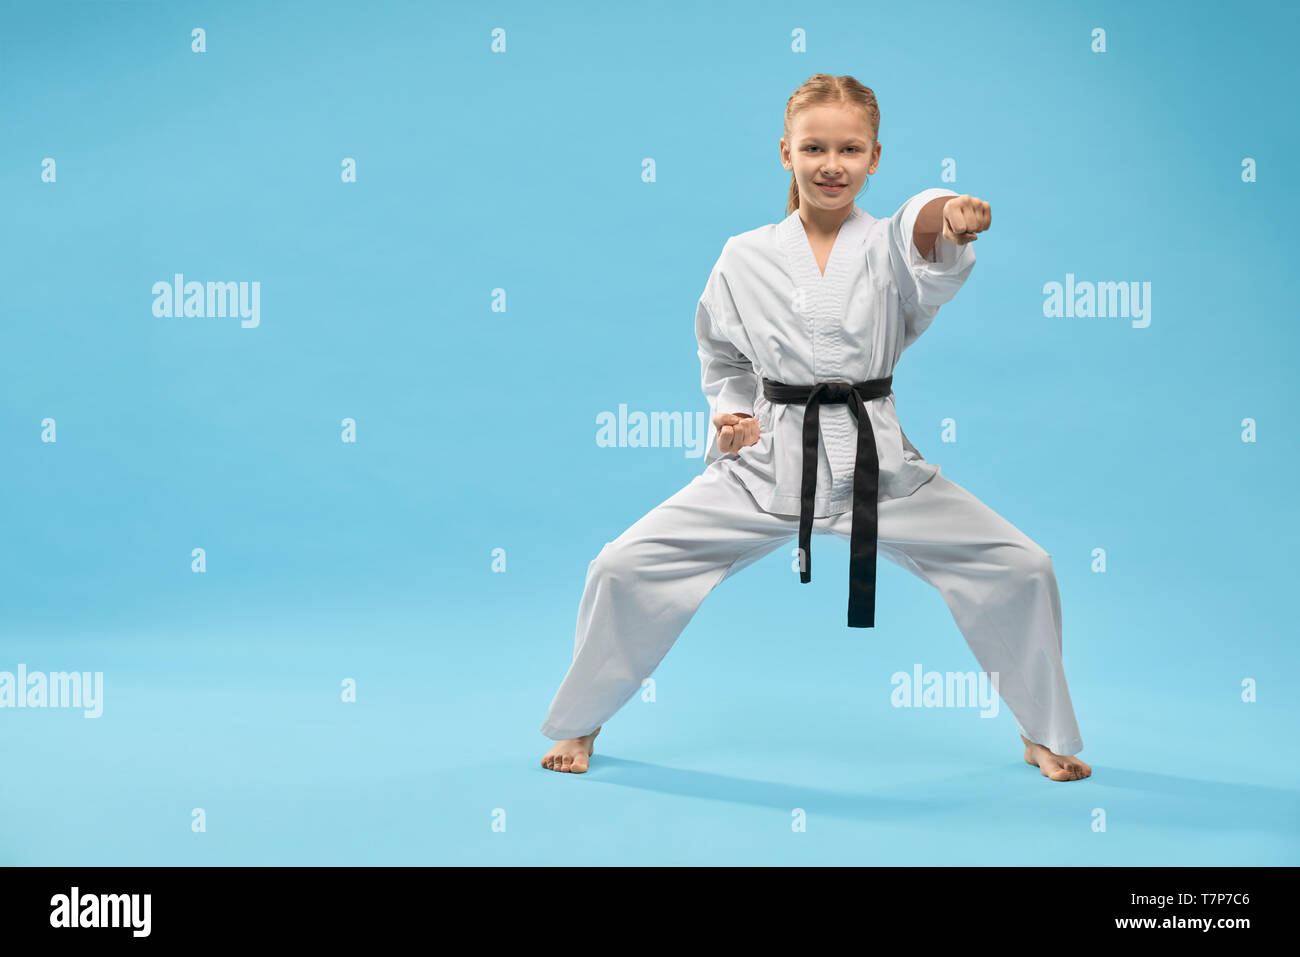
[{"x": 476, "y": 431}]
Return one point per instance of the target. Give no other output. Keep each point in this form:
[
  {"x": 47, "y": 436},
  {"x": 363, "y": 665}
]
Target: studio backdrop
[{"x": 338, "y": 339}]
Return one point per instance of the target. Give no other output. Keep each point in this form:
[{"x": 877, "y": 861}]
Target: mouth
[{"x": 831, "y": 187}]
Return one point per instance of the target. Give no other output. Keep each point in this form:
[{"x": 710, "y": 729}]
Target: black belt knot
[
  {"x": 866, "y": 483},
  {"x": 836, "y": 391}
]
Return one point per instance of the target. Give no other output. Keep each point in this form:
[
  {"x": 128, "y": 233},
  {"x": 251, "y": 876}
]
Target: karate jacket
[{"x": 768, "y": 312}]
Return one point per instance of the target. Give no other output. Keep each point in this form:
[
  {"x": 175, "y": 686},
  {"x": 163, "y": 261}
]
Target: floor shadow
[
  {"x": 913, "y": 801},
  {"x": 1140, "y": 798},
  {"x": 1204, "y": 805}
]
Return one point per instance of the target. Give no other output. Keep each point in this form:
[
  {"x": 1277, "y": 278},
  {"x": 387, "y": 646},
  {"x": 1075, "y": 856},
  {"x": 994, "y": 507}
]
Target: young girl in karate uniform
[{"x": 800, "y": 326}]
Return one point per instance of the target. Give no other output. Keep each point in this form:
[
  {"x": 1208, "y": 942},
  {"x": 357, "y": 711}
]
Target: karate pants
[{"x": 643, "y": 588}]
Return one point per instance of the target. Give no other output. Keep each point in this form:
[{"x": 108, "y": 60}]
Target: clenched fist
[
  {"x": 735, "y": 430},
  {"x": 963, "y": 217}
]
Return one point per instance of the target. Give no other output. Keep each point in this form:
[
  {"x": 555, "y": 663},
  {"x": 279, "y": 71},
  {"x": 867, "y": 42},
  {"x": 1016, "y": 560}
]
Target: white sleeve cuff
[{"x": 935, "y": 280}]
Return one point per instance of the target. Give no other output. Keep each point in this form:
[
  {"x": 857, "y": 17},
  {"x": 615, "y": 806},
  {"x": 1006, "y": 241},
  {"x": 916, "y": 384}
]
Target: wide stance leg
[
  {"x": 1002, "y": 592},
  {"x": 644, "y": 587}
]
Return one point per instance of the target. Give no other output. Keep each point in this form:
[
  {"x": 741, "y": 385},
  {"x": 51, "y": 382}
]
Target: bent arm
[{"x": 726, "y": 374}]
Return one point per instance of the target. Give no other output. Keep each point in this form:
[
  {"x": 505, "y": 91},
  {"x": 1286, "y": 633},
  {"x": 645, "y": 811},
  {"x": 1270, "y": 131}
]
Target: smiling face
[{"x": 831, "y": 151}]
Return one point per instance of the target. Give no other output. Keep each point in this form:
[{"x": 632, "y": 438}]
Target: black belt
[{"x": 866, "y": 482}]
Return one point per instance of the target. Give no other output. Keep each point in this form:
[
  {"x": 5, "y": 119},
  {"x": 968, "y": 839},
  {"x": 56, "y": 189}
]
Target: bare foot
[
  {"x": 571, "y": 754},
  {"x": 1055, "y": 766}
]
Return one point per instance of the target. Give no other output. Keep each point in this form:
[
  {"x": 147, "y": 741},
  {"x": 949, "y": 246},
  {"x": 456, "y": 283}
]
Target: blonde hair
[{"x": 822, "y": 89}]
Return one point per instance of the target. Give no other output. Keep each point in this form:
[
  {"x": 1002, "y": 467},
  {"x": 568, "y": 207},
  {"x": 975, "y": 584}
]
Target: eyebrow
[{"x": 818, "y": 139}]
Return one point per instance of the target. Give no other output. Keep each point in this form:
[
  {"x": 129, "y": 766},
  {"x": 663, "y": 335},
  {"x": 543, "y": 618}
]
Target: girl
[{"x": 800, "y": 326}]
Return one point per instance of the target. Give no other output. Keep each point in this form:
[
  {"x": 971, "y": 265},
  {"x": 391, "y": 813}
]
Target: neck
[{"x": 826, "y": 222}]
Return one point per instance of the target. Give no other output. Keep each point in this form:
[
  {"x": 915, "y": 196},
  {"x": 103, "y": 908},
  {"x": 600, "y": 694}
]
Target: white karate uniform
[{"x": 768, "y": 312}]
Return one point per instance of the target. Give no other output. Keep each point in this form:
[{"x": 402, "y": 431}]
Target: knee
[
  {"x": 615, "y": 560},
  {"x": 1032, "y": 562}
]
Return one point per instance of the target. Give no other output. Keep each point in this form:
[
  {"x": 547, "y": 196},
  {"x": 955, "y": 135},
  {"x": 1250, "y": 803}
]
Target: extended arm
[
  {"x": 967, "y": 216},
  {"x": 929, "y": 266}
]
